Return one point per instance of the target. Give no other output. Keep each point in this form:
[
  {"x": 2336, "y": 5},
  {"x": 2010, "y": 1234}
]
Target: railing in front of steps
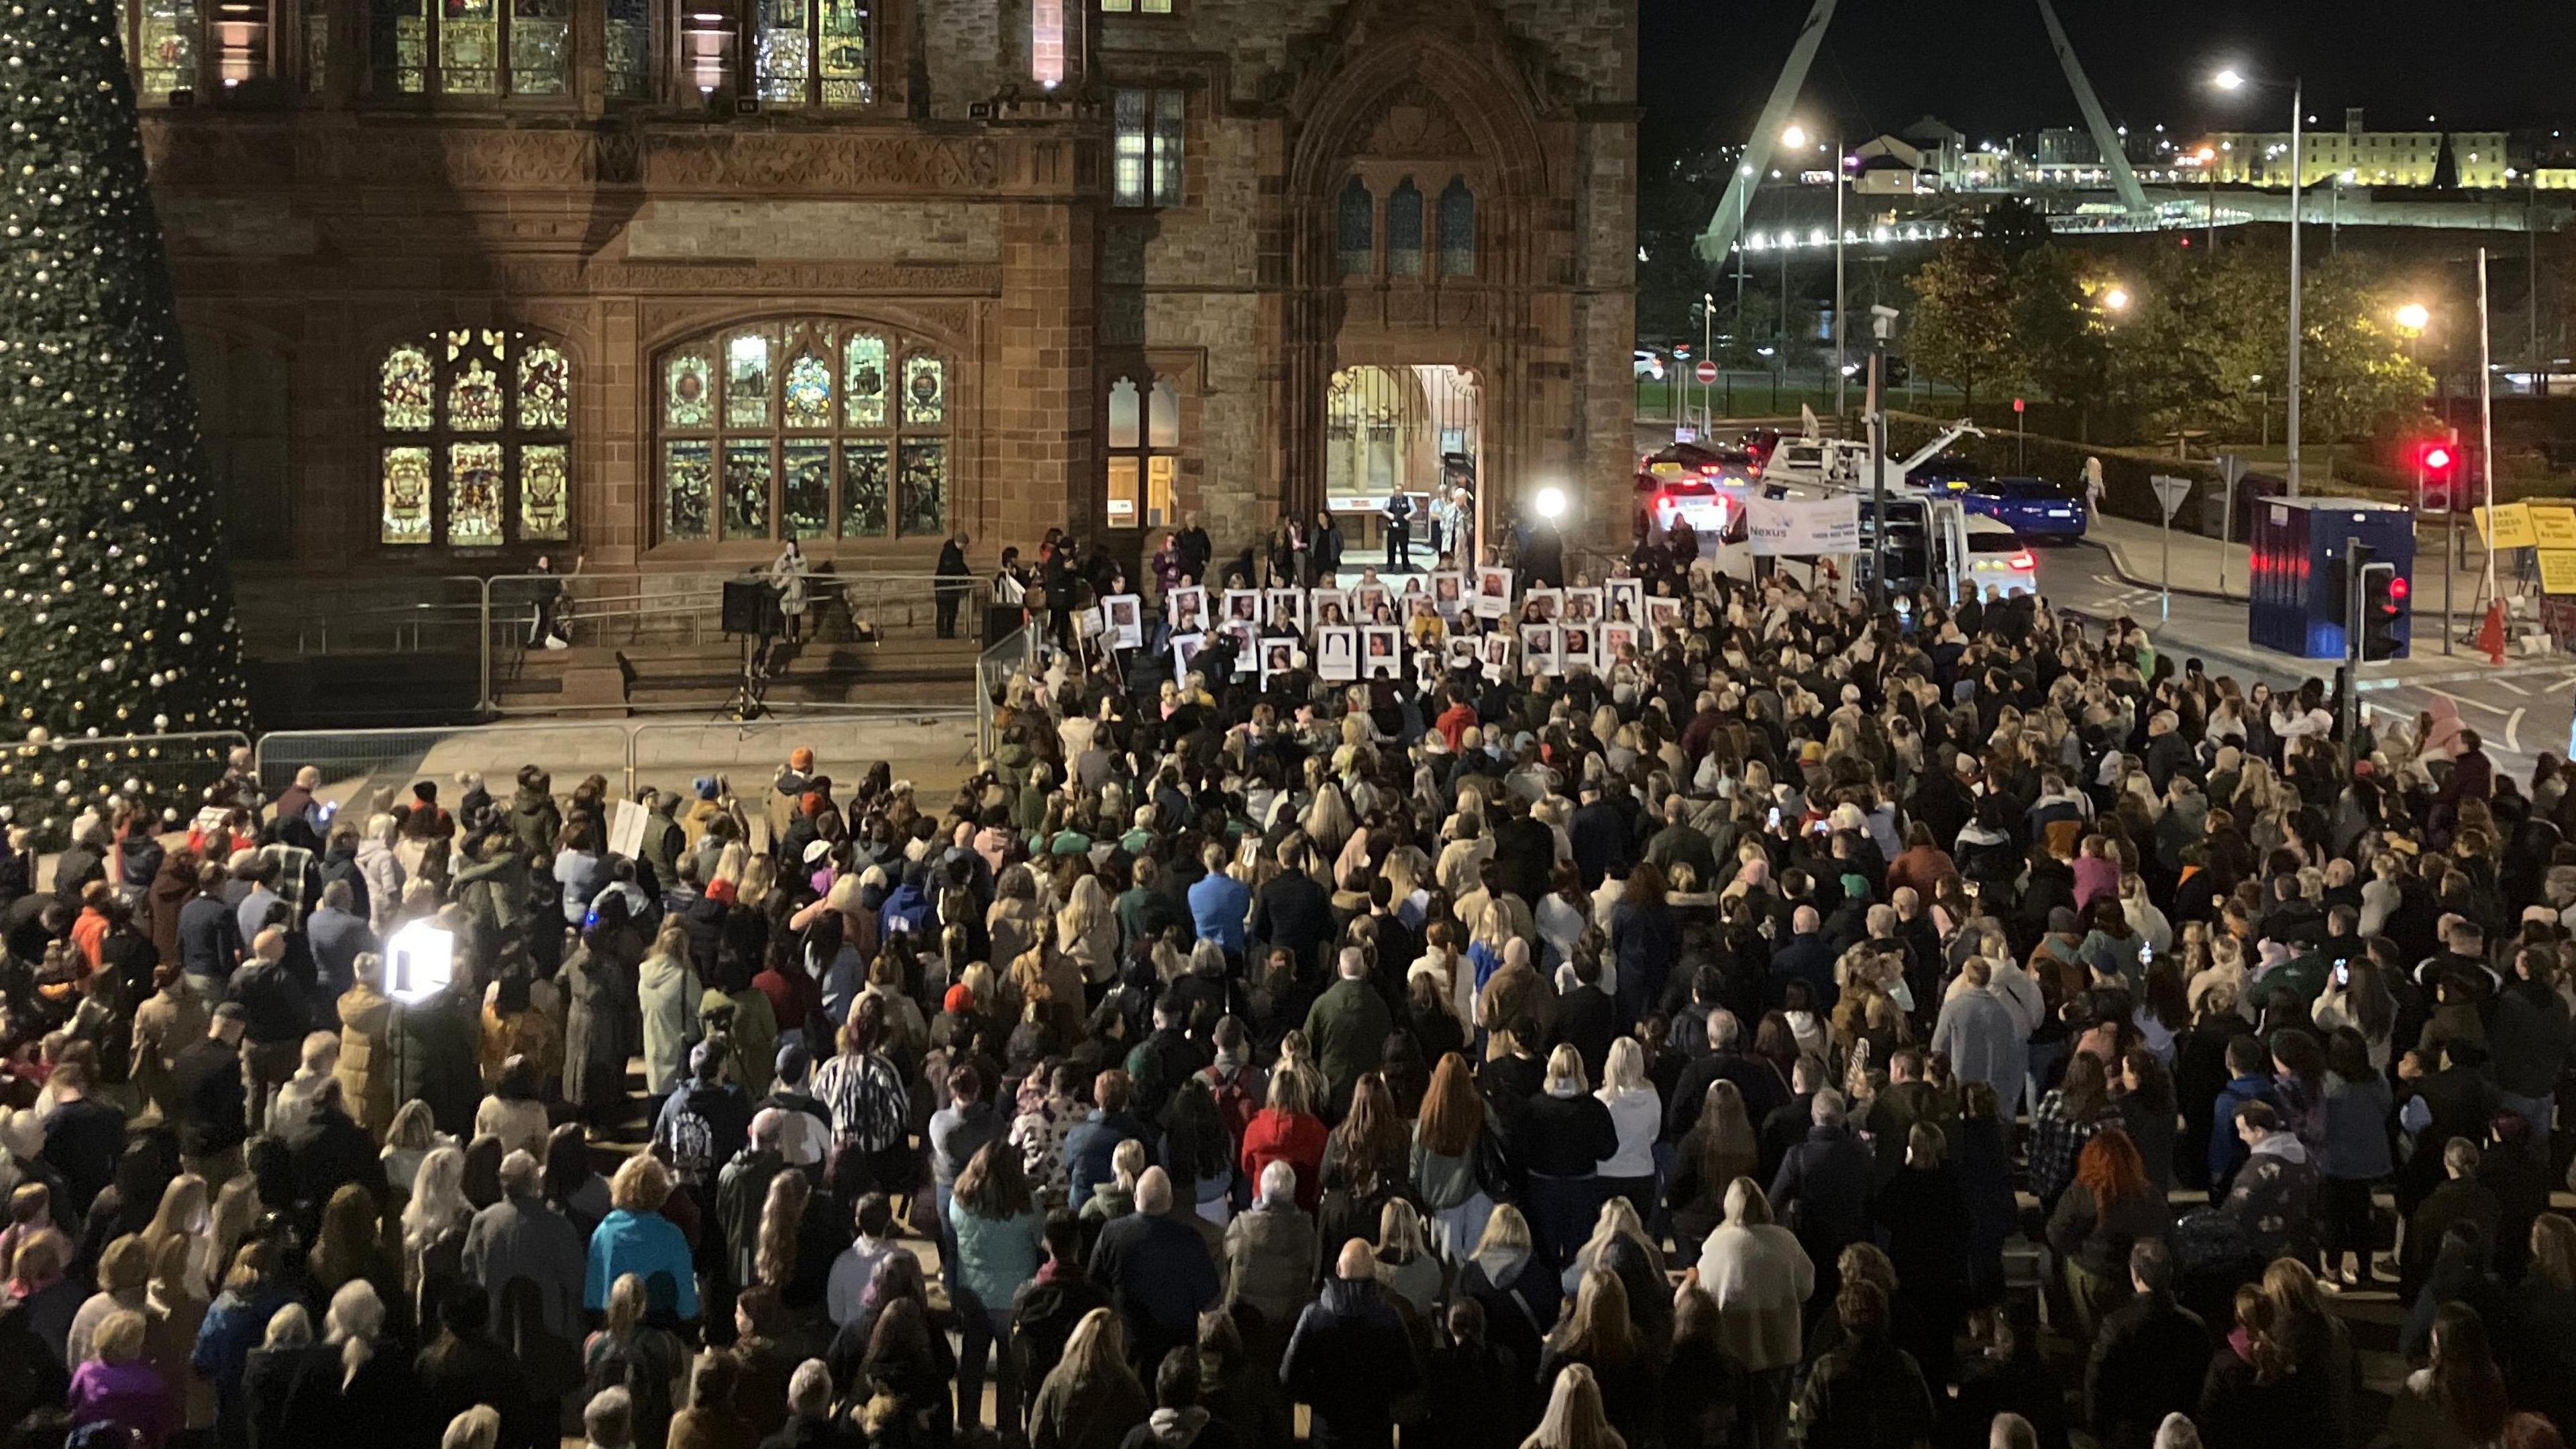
[{"x": 499, "y": 619}]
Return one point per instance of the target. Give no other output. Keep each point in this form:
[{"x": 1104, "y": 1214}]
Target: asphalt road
[{"x": 2519, "y": 709}]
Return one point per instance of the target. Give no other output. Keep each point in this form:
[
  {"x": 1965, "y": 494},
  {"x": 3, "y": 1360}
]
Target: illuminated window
[
  {"x": 804, "y": 429},
  {"x": 1135, "y": 7},
  {"x": 813, "y": 52},
  {"x": 1046, "y": 42},
  {"x": 1146, "y": 153},
  {"x": 476, "y": 440},
  {"x": 1144, "y": 452},
  {"x": 160, "y": 39},
  {"x": 628, "y": 32},
  {"x": 469, "y": 47}
]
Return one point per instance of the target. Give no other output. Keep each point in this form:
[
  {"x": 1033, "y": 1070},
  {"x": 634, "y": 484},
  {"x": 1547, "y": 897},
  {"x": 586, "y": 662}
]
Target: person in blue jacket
[
  {"x": 2249, "y": 1073},
  {"x": 635, "y": 1238}
]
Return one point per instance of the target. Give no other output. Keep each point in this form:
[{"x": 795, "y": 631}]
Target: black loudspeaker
[{"x": 750, "y": 607}]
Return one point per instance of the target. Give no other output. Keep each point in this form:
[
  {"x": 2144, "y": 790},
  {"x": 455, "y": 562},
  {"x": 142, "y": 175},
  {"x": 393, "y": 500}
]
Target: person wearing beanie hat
[
  {"x": 805, "y": 1125},
  {"x": 703, "y": 1124}
]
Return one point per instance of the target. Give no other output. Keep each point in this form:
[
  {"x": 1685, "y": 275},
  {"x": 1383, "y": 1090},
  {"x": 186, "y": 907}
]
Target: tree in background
[
  {"x": 2061, "y": 329},
  {"x": 1962, "y": 330},
  {"x": 2015, "y": 227},
  {"x": 115, "y": 611},
  {"x": 2356, "y": 378}
]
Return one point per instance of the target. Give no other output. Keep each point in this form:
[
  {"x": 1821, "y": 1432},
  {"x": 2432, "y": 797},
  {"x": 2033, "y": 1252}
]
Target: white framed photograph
[
  {"x": 1285, "y": 607},
  {"x": 1543, "y": 606},
  {"x": 1465, "y": 653},
  {"x": 1583, "y": 606},
  {"x": 1278, "y": 657},
  {"x": 1367, "y": 599},
  {"x": 1243, "y": 606},
  {"x": 1498, "y": 656},
  {"x": 1331, "y": 608},
  {"x": 1575, "y": 647},
  {"x": 1493, "y": 593},
  {"x": 1186, "y": 610},
  {"x": 1337, "y": 653},
  {"x": 1449, "y": 593},
  {"x": 1614, "y": 637},
  {"x": 1247, "y": 645},
  {"x": 1126, "y": 621},
  {"x": 1663, "y": 618},
  {"x": 1542, "y": 650},
  {"x": 1626, "y": 601},
  {"x": 1185, "y": 651},
  {"x": 1381, "y": 652}
]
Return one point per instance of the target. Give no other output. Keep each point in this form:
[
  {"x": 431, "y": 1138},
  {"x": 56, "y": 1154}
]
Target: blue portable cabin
[{"x": 2298, "y": 546}]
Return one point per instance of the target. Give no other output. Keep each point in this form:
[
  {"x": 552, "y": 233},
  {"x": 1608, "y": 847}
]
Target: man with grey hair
[
  {"x": 608, "y": 1420},
  {"x": 809, "y": 1411},
  {"x": 1756, "y": 1078},
  {"x": 1348, "y": 1026},
  {"x": 519, "y": 1238},
  {"x": 1823, "y": 1186}
]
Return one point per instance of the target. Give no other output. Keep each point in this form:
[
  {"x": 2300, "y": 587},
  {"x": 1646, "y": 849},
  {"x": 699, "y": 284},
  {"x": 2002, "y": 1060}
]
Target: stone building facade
[{"x": 659, "y": 284}]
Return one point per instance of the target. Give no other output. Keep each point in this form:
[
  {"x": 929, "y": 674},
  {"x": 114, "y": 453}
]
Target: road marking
[
  {"x": 2511, "y": 740},
  {"x": 2509, "y": 685},
  {"x": 2474, "y": 703}
]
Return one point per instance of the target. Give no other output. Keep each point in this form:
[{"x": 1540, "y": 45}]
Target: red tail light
[{"x": 2023, "y": 560}]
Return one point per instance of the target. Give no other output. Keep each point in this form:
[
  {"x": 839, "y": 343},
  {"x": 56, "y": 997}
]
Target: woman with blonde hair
[
  {"x": 438, "y": 1212},
  {"x": 636, "y": 1240},
  {"x": 185, "y": 1216},
  {"x": 1637, "y": 1111},
  {"x": 1560, "y": 1140},
  {"x": 1405, "y": 1264},
  {"x": 113, "y": 1383},
  {"x": 376, "y": 1392},
  {"x": 1574, "y": 1419},
  {"x": 668, "y": 989},
  {"x": 1760, "y": 1277},
  {"x": 1091, "y": 1397},
  {"x": 1599, "y": 1335},
  {"x": 124, "y": 1284},
  {"x": 1086, "y": 930},
  {"x": 648, "y": 1360},
  {"x": 409, "y": 1139},
  {"x": 366, "y": 1062}
]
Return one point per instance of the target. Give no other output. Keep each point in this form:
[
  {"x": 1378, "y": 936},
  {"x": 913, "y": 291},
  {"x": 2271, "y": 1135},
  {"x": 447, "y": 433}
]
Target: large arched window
[
  {"x": 477, "y": 439},
  {"x": 1404, "y": 230},
  {"x": 469, "y": 47},
  {"x": 812, "y": 52},
  {"x": 804, "y": 429}
]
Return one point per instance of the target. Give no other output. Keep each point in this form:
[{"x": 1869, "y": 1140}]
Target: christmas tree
[{"x": 115, "y": 610}]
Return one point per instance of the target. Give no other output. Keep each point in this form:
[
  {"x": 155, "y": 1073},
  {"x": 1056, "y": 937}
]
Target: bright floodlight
[
  {"x": 1794, "y": 137},
  {"x": 1551, "y": 503},
  {"x": 2228, "y": 80},
  {"x": 2413, "y": 317},
  {"x": 2117, "y": 299},
  {"x": 419, "y": 962}
]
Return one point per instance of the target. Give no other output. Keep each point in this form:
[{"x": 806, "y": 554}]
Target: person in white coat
[{"x": 1760, "y": 1277}]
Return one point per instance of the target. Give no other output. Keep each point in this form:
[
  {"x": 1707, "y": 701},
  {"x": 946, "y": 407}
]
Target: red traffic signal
[
  {"x": 2437, "y": 457},
  {"x": 2397, "y": 588}
]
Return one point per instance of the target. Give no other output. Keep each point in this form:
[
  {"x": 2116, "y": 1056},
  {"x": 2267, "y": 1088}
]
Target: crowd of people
[{"x": 1963, "y": 1028}]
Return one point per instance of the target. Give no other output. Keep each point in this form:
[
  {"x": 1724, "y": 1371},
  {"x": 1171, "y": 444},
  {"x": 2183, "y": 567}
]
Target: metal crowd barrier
[{"x": 172, "y": 770}]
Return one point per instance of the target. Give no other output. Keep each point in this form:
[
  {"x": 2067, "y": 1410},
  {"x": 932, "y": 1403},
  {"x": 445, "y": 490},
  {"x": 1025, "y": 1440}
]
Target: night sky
[{"x": 1985, "y": 66}]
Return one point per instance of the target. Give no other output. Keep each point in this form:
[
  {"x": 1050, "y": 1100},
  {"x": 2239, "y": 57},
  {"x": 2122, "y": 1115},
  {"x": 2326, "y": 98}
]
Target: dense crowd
[{"x": 1957, "y": 1028}]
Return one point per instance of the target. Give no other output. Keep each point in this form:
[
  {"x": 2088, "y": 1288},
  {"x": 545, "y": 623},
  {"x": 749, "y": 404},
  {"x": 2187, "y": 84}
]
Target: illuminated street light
[
  {"x": 2228, "y": 80},
  {"x": 2117, "y": 299},
  {"x": 1794, "y": 137},
  {"x": 1551, "y": 503},
  {"x": 2414, "y": 317}
]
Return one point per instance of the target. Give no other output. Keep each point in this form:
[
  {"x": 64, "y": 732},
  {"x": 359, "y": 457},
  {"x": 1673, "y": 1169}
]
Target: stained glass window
[
  {"x": 164, "y": 47},
  {"x": 1126, "y": 425},
  {"x": 406, "y": 486},
  {"x": 629, "y": 35},
  {"x": 1404, "y": 230},
  {"x": 469, "y": 47},
  {"x": 408, "y": 388},
  {"x": 1357, "y": 229},
  {"x": 474, "y": 399},
  {"x": 398, "y": 46},
  {"x": 925, "y": 391},
  {"x": 496, "y": 409},
  {"x": 688, "y": 489},
  {"x": 545, "y": 388},
  {"x": 844, "y": 53},
  {"x": 747, "y": 381},
  {"x": 688, "y": 392},
  {"x": 543, "y": 485},
  {"x": 924, "y": 487},
  {"x": 746, "y": 488},
  {"x": 863, "y": 490},
  {"x": 805, "y": 398},
  {"x": 474, "y": 495},
  {"x": 539, "y": 35},
  {"x": 865, "y": 376},
  {"x": 783, "y": 51},
  {"x": 1170, "y": 133},
  {"x": 317, "y": 49},
  {"x": 805, "y": 493},
  {"x": 1457, "y": 229},
  {"x": 804, "y": 429}
]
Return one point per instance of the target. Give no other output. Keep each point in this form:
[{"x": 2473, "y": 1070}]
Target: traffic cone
[{"x": 2491, "y": 633}]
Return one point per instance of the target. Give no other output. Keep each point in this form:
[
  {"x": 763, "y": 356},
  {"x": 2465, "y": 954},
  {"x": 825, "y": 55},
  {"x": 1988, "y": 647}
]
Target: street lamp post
[
  {"x": 1842, "y": 170},
  {"x": 1707, "y": 353},
  {"x": 2209, "y": 174},
  {"x": 2228, "y": 80}
]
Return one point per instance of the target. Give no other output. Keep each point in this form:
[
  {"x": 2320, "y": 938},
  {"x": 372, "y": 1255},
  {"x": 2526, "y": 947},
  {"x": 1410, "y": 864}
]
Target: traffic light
[
  {"x": 2383, "y": 610},
  {"x": 2436, "y": 467}
]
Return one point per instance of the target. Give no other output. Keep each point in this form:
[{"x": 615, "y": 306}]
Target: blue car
[{"x": 2031, "y": 507}]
